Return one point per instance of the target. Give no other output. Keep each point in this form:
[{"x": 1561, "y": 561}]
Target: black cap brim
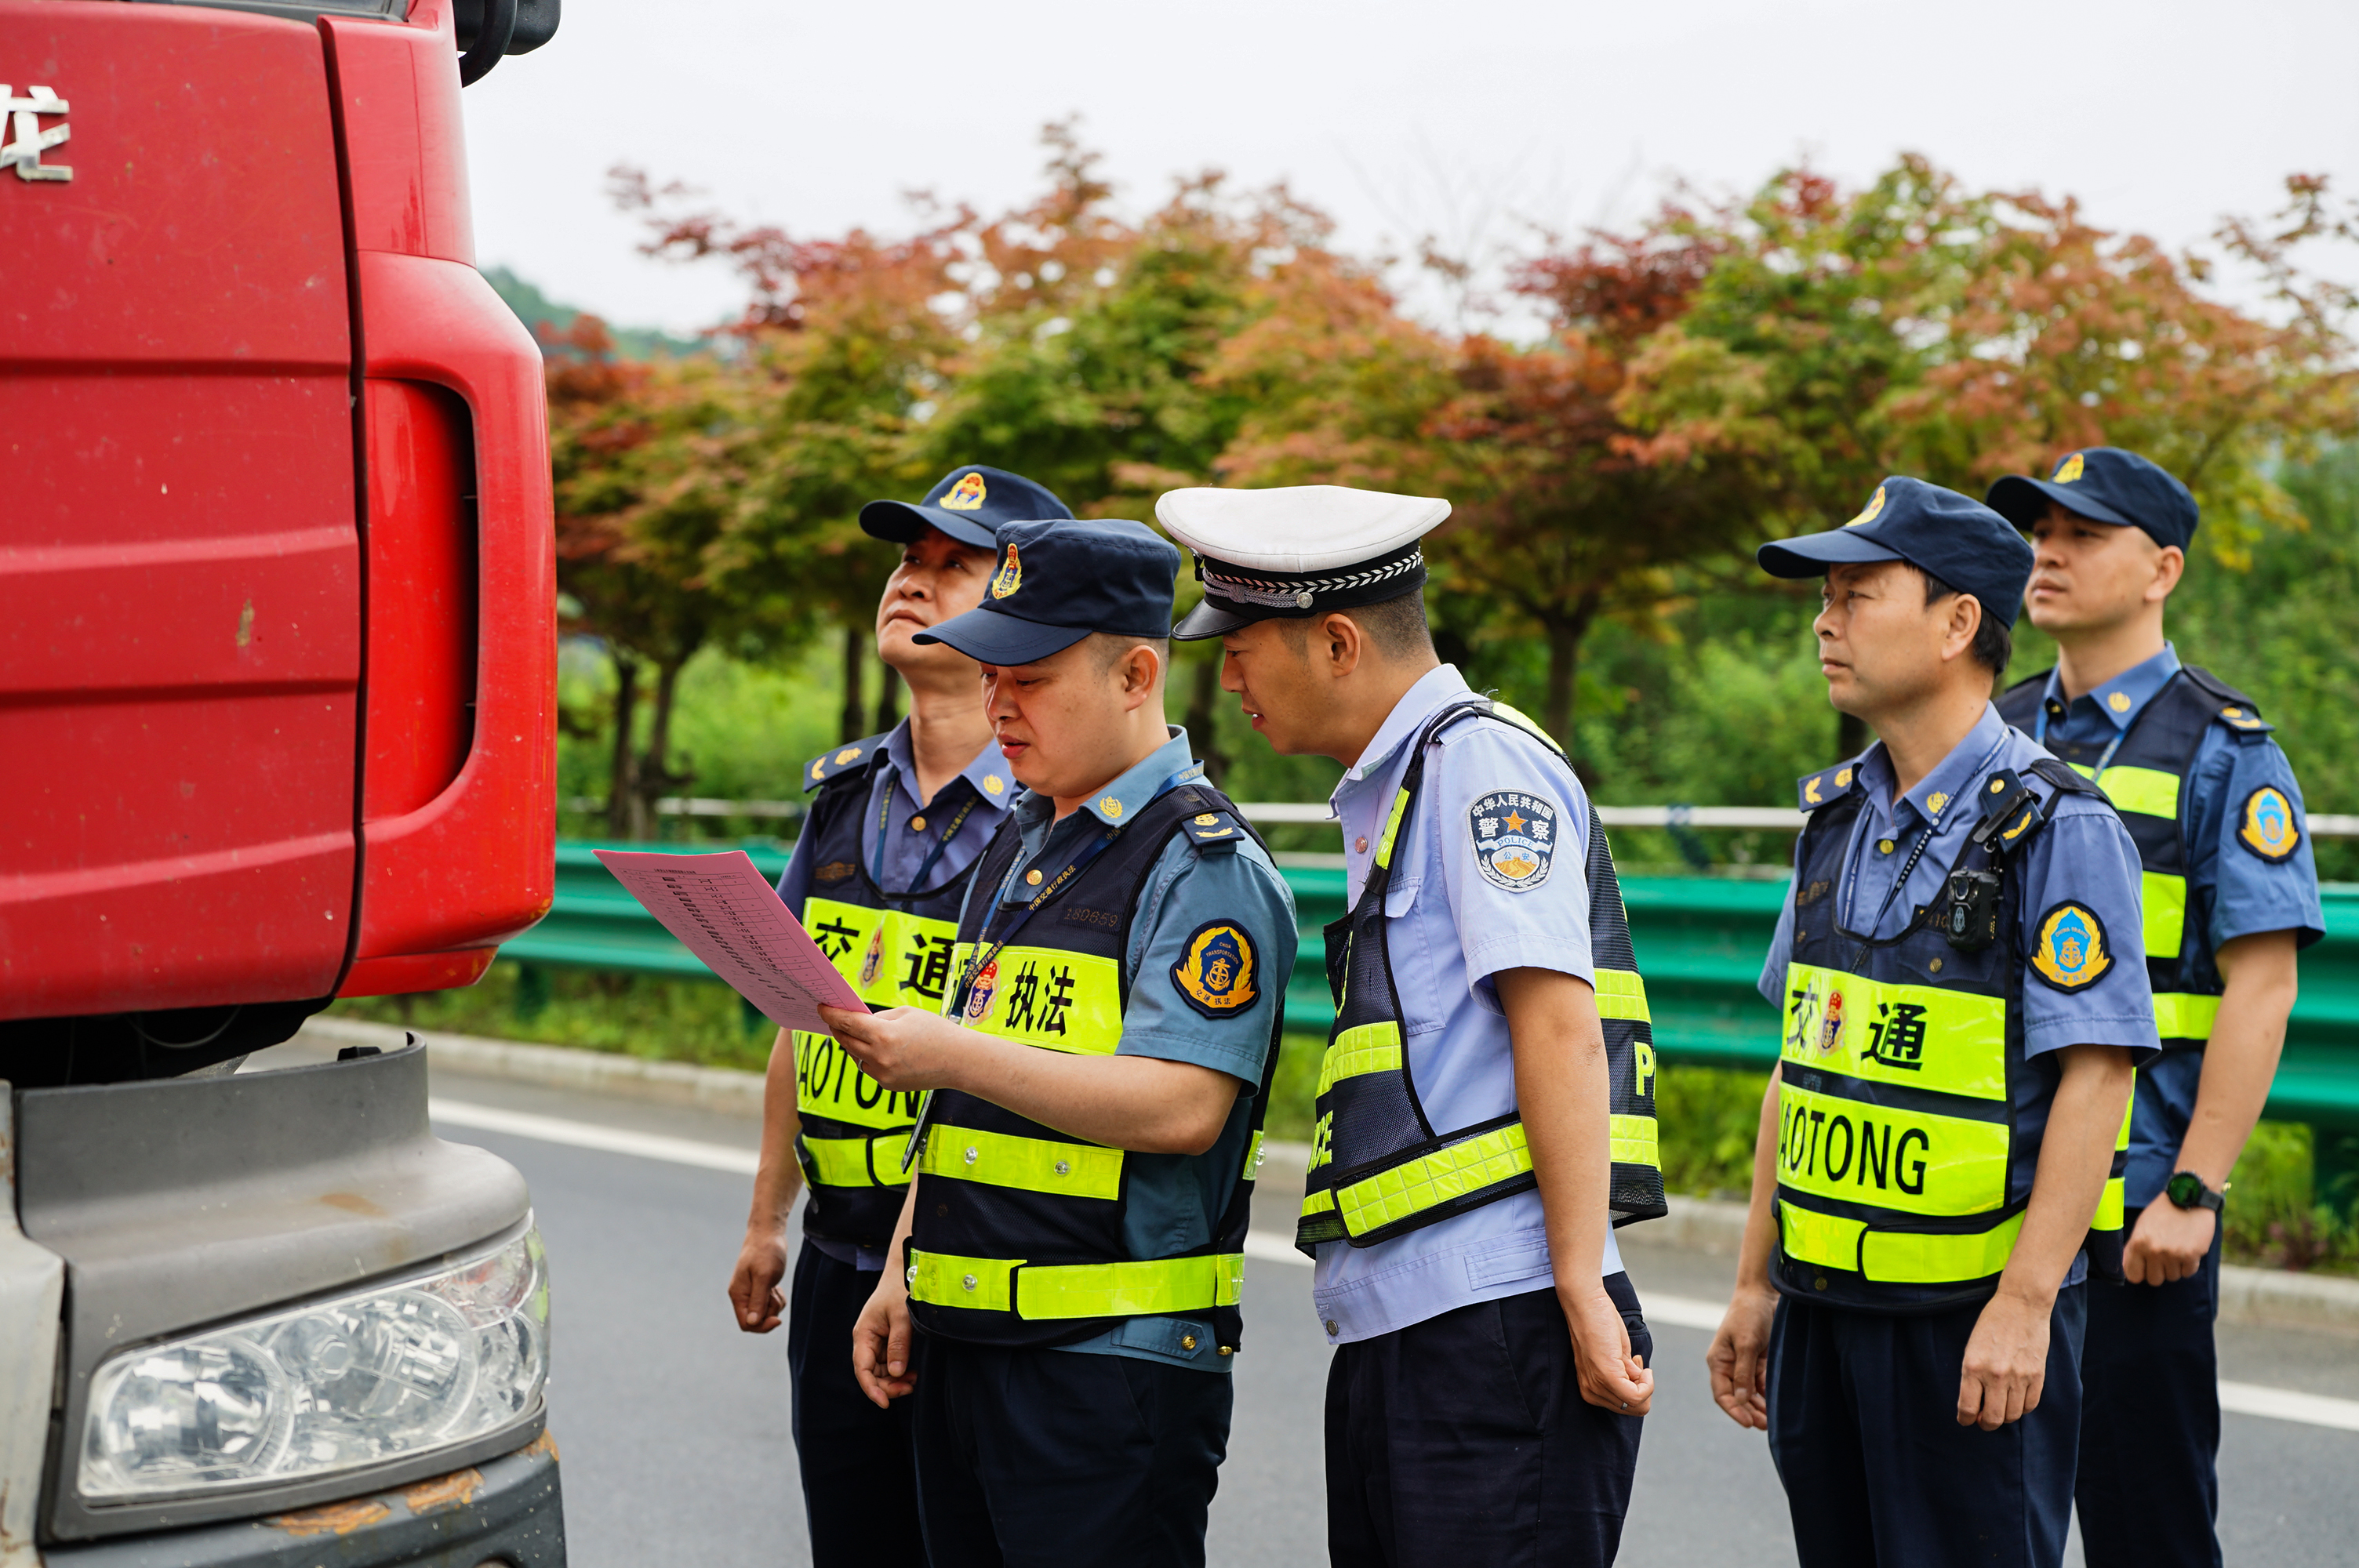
[
  {"x": 905, "y": 522},
  {"x": 1210, "y": 619},
  {"x": 1812, "y": 554},
  {"x": 994, "y": 637},
  {"x": 2023, "y": 500}
]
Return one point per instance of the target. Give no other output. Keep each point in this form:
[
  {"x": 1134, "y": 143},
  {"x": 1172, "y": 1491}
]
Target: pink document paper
[{"x": 729, "y": 915}]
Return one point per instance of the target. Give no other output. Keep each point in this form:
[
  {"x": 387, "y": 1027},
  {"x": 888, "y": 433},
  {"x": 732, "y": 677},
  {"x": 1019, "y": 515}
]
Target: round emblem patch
[
  {"x": 874, "y": 960},
  {"x": 1515, "y": 838},
  {"x": 1009, "y": 577},
  {"x": 966, "y": 495},
  {"x": 2071, "y": 952},
  {"x": 2266, "y": 826},
  {"x": 1215, "y": 971},
  {"x": 978, "y": 997}
]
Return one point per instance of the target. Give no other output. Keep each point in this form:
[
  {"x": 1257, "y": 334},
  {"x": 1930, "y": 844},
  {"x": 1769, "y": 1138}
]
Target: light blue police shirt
[
  {"x": 1450, "y": 930},
  {"x": 1173, "y": 1203},
  {"x": 2083, "y": 855},
  {"x": 2232, "y": 890}
]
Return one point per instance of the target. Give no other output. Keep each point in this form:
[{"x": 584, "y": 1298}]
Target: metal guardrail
[{"x": 1699, "y": 941}]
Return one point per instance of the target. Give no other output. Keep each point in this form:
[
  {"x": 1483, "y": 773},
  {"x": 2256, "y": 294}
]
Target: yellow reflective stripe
[
  {"x": 1364, "y": 1048},
  {"x": 1027, "y": 1164},
  {"x": 1392, "y": 829},
  {"x": 2185, "y": 1015},
  {"x": 1910, "y": 1161},
  {"x": 1633, "y": 1140},
  {"x": 891, "y": 959},
  {"x": 2146, "y": 792},
  {"x": 2112, "y": 1208},
  {"x": 1415, "y": 1185},
  {"x": 942, "y": 1279},
  {"x": 1047, "y": 997},
  {"x": 2163, "y": 897},
  {"x": 1253, "y": 1157},
  {"x": 1895, "y": 1257},
  {"x": 1320, "y": 1201},
  {"x": 828, "y": 1083},
  {"x": 1919, "y": 1037},
  {"x": 1622, "y": 994},
  {"x": 1153, "y": 1288},
  {"x": 845, "y": 1162}
]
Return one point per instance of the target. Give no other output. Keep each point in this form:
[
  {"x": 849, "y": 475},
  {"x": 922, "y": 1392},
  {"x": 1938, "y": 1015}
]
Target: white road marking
[
  {"x": 590, "y": 1135},
  {"x": 1677, "y": 1312}
]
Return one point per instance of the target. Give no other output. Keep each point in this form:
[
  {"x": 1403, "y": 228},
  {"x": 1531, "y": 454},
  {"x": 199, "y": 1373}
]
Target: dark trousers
[
  {"x": 2149, "y": 1485},
  {"x": 1863, "y": 1429},
  {"x": 1464, "y": 1441},
  {"x": 1059, "y": 1459},
  {"x": 860, "y": 1485}
]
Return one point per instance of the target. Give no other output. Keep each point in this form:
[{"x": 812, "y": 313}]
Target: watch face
[{"x": 2186, "y": 1189}]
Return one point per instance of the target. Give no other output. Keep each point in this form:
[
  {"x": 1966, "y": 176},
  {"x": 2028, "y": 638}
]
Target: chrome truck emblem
[{"x": 20, "y": 120}]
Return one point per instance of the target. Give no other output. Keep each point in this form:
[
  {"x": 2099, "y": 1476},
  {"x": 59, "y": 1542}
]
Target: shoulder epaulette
[
  {"x": 1506, "y": 715},
  {"x": 2063, "y": 777},
  {"x": 1215, "y": 830},
  {"x": 849, "y": 755},
  {"x": 1812, "y": 791},
  {"x": 2231, "y": 706}
]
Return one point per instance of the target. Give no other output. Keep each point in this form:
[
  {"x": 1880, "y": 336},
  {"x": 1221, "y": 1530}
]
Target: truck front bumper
[{"x": 507, "y": 1513}]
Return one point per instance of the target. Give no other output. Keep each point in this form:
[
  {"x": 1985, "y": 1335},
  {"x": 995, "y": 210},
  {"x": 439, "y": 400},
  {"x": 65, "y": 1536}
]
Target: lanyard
[
  {"x": 1909, "y": 868},
  {"x": 883, "y": 814},
  {"x": 2039, "y": 734}
]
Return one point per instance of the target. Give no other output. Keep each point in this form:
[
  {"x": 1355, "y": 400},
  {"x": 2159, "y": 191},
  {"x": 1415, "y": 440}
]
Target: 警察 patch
[
  {"x": 1216, "y": 974},
  {"x": 1515, "y": 838},
  {"x": 2266, "y": 826},
  {"x": 2069, "y": 950}
]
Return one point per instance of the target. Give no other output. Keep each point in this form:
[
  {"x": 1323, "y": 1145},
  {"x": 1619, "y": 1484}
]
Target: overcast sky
[{"x": 1399, "y": 119}]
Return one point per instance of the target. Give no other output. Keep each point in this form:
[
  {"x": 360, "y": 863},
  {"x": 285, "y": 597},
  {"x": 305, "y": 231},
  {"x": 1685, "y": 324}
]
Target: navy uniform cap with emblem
[
  {"x": 2104, "y": 484},
  {"x": 1296, "y": 551},
  {"x": 1059, "y": 582},
  {"x": 971, "y": 503},
  {"x": 1952, "y": 537}
]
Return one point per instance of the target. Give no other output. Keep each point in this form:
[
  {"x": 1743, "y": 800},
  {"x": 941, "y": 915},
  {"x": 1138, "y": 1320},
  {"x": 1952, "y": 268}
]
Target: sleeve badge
[
  {"x": 2071, "y": 951},
  {"x": 1515, "y": 838},
  {"x": 2266, "y": 824},
  {"x": 1216, "y": 974}
]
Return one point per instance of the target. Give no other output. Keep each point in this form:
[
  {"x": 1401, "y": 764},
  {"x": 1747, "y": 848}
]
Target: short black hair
[
  {"x": 1395, "y": 627},
  {"x": 1994, "y": 639}
]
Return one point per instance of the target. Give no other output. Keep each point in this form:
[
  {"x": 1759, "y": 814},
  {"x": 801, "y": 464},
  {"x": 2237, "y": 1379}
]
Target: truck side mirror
[{"x": 489, "y": 31}]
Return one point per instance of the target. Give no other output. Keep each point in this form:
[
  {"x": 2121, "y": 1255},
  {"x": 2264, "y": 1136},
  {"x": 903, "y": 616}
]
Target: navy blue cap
[
  {"x": 2105, "y": 484},
  {"x": 970, "y": 503},
  {"x": 1954, "y": 536},
  {"x": 1058, "y": 582}
]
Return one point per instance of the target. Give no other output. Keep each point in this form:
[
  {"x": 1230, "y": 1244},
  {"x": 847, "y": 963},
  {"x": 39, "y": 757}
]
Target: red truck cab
[{"x": 276, "y": 724}]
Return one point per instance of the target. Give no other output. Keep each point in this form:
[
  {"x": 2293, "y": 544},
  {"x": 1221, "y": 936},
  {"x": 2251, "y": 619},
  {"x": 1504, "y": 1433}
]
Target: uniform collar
[
  {"x": 1438, "y": 686},
  {"x": 1120, "y": 801},
  {"x": 988, "y": 773},
  {"x": 2121, "y": 698},
  {"x": 1937, "y": 794}
]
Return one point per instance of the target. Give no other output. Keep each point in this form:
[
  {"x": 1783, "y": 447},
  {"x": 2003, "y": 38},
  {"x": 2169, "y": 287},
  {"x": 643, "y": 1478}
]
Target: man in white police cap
[{"x": 1486, "y": 1105}]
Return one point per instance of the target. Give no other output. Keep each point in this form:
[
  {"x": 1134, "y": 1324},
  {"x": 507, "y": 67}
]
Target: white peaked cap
[{"x": 1295, "y": 529}]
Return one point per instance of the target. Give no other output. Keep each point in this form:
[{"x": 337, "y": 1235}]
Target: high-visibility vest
[
  {"x": 2147, "y": 782},
  {"x": 1377, "y": 1168},
  {"x": 1906, "y": 1149},
  {"x": 1018, "y": 1237},
  {"x": 896, "y": 952}
]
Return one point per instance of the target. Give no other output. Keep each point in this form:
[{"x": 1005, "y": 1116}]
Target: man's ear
[
  {"x": 1965, "y": 620},
  {"x": 1344, "y": 640},
  {"x": 2169, "y": 565},
  {"x": 1140, "y": 670}
]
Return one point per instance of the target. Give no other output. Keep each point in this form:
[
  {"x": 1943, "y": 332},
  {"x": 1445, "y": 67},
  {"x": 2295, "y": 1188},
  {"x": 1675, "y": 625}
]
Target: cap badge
[
  {"x": 1875, "y": 505},
  {"x": 966, "y": 495},
  {"x": 1303, "y": 601},
  {"x": 2068, "y": 469},
  {"x": 1010, "y": 576}
]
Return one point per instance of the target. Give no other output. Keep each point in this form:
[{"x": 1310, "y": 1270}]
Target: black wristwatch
[{"x": 2187, "y": 1190}]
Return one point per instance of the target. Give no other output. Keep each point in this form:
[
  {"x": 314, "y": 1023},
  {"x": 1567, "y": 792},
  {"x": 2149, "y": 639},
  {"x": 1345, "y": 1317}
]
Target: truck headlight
[{"x": 398, "y": 1369}]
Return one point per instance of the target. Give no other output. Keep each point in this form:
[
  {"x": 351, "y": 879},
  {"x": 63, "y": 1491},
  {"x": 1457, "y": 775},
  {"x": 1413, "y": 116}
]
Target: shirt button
[
  {"x": 1331, "y": 1329},
  {"x": 1033, "y": 878},
  {"x": 916, "y": 825},
  {"x": 973, "y": 1155},
  {"x": 1884, "y": 846},
  {"x": 1186, "y": 1341},
  {"x": 1361, "y": 844}
]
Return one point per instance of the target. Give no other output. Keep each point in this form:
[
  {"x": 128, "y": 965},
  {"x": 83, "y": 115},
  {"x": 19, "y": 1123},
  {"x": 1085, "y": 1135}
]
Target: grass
[{"x": 1707, "y": 1114}]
